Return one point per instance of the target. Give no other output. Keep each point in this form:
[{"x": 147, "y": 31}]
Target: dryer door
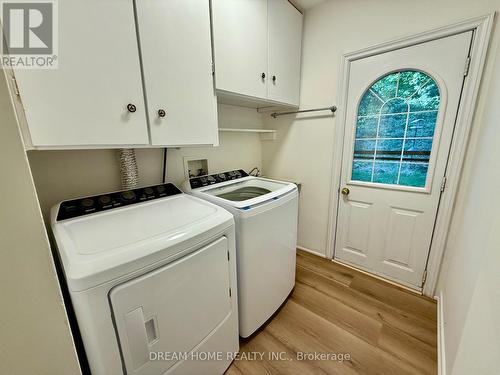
[{"x": 172, "y": 309}]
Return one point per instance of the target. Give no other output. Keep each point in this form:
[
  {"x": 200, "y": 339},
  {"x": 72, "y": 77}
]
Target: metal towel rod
[{"x": 332, "y": 109}]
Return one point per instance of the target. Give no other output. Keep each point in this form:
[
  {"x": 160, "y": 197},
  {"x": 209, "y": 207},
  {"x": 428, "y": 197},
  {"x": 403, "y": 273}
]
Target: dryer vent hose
[{"x": 128, "y": 168}]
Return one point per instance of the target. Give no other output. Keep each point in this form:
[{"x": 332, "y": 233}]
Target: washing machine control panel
[
  {"x": 89, "y": 205},
  {"x": 197, "y": 182}
]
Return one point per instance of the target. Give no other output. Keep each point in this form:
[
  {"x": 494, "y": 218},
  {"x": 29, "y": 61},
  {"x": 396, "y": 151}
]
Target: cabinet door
[
  {"x": 84, "y": 101},
  {"x": 240, "y": 46},
  {"x": 177, "y": 60},
  {"x": 285, "y": 39}
]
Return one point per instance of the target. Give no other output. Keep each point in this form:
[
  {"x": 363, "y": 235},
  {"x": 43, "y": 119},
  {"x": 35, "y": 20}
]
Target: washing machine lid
[
  {"x": 102, "y": 246},
  {"x": 247, "y": 191}
]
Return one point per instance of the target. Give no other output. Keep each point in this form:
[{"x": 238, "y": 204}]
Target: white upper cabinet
[
  {"x": 285, "y": 40},
  {"x": 257, "y": 49},
  {"x": 240, "y": 46},
  {"x": 176, "y": 53},
  {"x": 97, "y": 96},
  {"x": 84, "y": 101}
]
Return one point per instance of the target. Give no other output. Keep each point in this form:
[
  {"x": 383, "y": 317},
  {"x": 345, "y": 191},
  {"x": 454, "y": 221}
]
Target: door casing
[{"x": 481, "y": 26}]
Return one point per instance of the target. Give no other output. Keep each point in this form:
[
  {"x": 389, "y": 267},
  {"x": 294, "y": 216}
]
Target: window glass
[{"x": 394, "y": 129}]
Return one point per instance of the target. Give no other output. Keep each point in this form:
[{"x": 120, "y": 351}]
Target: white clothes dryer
[{"x": 152, "y": 277}]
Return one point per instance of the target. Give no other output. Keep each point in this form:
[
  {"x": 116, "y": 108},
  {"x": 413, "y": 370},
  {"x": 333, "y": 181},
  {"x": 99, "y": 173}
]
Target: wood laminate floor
[{"x": 386, "y": 330}]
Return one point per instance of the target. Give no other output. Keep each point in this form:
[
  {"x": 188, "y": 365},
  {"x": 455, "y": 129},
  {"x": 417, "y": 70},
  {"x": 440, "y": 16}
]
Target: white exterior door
[
  {"x": 285, "y": 40},
  {"x": 401, "y": 110},
  {"x": 177, "y": 61},
  {"x": 240, "y": 46}
]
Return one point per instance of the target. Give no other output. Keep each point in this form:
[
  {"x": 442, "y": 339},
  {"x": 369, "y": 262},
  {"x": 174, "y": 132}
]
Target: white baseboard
[
  {"x": 311, "y": 251},
  {"x": 440, "y": 333}
]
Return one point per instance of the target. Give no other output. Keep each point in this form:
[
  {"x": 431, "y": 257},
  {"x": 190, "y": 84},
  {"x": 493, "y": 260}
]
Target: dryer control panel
[
  {"x": 108, "y": 201},
  {"x": 197, "y": 182}
]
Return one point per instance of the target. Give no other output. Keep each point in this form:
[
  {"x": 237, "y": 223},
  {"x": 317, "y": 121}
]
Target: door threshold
[{"x": 375, "y": 276}]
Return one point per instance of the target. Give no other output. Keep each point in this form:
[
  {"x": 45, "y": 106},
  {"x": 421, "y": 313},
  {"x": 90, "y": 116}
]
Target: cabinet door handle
[
  {"x": 131, "y": 108},
  {"x": 162, "y": 113},
  {"x": 263, "y": 75},
  {"x": 274, "y": 79}
]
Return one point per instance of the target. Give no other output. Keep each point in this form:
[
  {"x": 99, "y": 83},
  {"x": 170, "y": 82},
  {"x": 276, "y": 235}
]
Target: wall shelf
[{"x": 265, "y": 134}]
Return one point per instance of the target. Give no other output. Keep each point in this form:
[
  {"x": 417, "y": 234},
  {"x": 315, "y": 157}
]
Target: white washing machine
[
  {"x": 152, "y": 278},
  {"x": 265, "y": 212}
]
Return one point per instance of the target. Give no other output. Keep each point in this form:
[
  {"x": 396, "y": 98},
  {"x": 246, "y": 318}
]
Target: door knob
[
  {"x": 263, "y": 75},
  {"x": 131, "y": 108},
  {"x": 161, "y": 113},
  {"x": 274, "y": 79},
  {"x": 345, "y": 191}
]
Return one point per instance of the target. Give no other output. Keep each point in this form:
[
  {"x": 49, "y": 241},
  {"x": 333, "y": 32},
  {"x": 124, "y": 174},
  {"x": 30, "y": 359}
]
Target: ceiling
[{"x": 306, "y": 4}]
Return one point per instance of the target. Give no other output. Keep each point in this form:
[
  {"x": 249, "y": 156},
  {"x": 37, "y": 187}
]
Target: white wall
[
  {"x": 302, "y": 153},
  {"x": 34, "y": 334},
  {"x": 61, "y": 175},
  {"x": 479, "y": 350},
  {"x": 471, "y": 303},
  {"x": 304, "y": 148},
  {"x": 236, "y": 150}
]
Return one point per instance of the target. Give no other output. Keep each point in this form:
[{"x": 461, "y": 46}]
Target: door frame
[{"x": 481, "y": 26}]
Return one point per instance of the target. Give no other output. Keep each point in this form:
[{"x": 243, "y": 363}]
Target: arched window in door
[{"x": 395, "y": 128}]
